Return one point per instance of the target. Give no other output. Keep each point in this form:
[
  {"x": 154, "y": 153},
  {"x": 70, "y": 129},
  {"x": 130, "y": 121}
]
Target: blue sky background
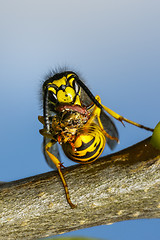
[{"x": 116, "y": 47}]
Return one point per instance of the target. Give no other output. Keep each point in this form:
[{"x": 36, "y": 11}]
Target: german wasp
[{"x": 76, "y": 119}]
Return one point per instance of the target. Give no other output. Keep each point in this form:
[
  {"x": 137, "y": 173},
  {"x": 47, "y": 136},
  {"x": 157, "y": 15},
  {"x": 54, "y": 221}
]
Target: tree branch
[{"x": 118, "y": 187}]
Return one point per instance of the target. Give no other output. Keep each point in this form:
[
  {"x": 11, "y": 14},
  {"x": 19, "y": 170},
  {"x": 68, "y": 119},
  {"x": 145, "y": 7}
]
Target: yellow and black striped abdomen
[{"x": 89, "y": 144}]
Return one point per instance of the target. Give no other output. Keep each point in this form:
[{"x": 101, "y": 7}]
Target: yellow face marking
[
  {"x": 66, "y": 96},
  {"x": 69, "y": 75},
  {"x": 60, "y": 82},
  {"x": 71, "y": 81},
  {"x": 52, "y": 89}
]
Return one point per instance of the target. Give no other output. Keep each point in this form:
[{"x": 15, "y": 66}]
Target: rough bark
[{"x": 118, "y": 187}]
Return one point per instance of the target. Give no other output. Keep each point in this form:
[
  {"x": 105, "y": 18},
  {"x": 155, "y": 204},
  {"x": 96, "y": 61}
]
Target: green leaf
[{"x": 155, "y": 140}]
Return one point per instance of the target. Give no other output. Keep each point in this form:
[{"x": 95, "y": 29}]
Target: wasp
[{"x": 77, "y": 120}]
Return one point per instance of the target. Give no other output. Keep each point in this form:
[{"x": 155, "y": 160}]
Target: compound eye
[
  {"x": 52, "y": 97},
  {"x": 76, "y": 87}
]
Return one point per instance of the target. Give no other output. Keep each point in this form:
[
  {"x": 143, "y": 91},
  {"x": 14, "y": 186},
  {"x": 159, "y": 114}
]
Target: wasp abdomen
[{"x": 88, "y": 145}]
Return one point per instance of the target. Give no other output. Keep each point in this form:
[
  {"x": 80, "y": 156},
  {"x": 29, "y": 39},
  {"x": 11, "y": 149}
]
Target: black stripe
[
  {"x": 89, "y": 154},
  {"x": 85, "y": 145},
  {"x": 91, "y": 159}
]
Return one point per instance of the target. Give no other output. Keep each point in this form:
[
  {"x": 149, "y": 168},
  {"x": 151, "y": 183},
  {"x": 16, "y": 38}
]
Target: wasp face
[{"x": 63, "y": 89}]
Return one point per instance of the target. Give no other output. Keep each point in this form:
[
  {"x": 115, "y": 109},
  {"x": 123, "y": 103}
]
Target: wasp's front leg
[
  {"x": 44, "y": 132},
  {"x": 41, "y": 119}
]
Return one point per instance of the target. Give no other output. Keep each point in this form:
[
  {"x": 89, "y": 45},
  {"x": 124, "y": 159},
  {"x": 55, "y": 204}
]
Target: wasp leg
[
  {"x": 58, "y": 165},
  {"x": 104, "y": 132},
  {"x": 121, "y": 118},
  {"x": 41, "y": 119},
  {"x": 98, "y": 112},
  {"x": 44, "y": 133}
]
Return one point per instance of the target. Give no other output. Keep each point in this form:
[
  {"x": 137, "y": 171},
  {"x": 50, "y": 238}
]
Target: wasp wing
[
  {"x": 107, "y": 123},
  {"x": 53, "y": 149},
  {"x": 110, "y": 128},
  {"x": 85, "y": 100}
]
